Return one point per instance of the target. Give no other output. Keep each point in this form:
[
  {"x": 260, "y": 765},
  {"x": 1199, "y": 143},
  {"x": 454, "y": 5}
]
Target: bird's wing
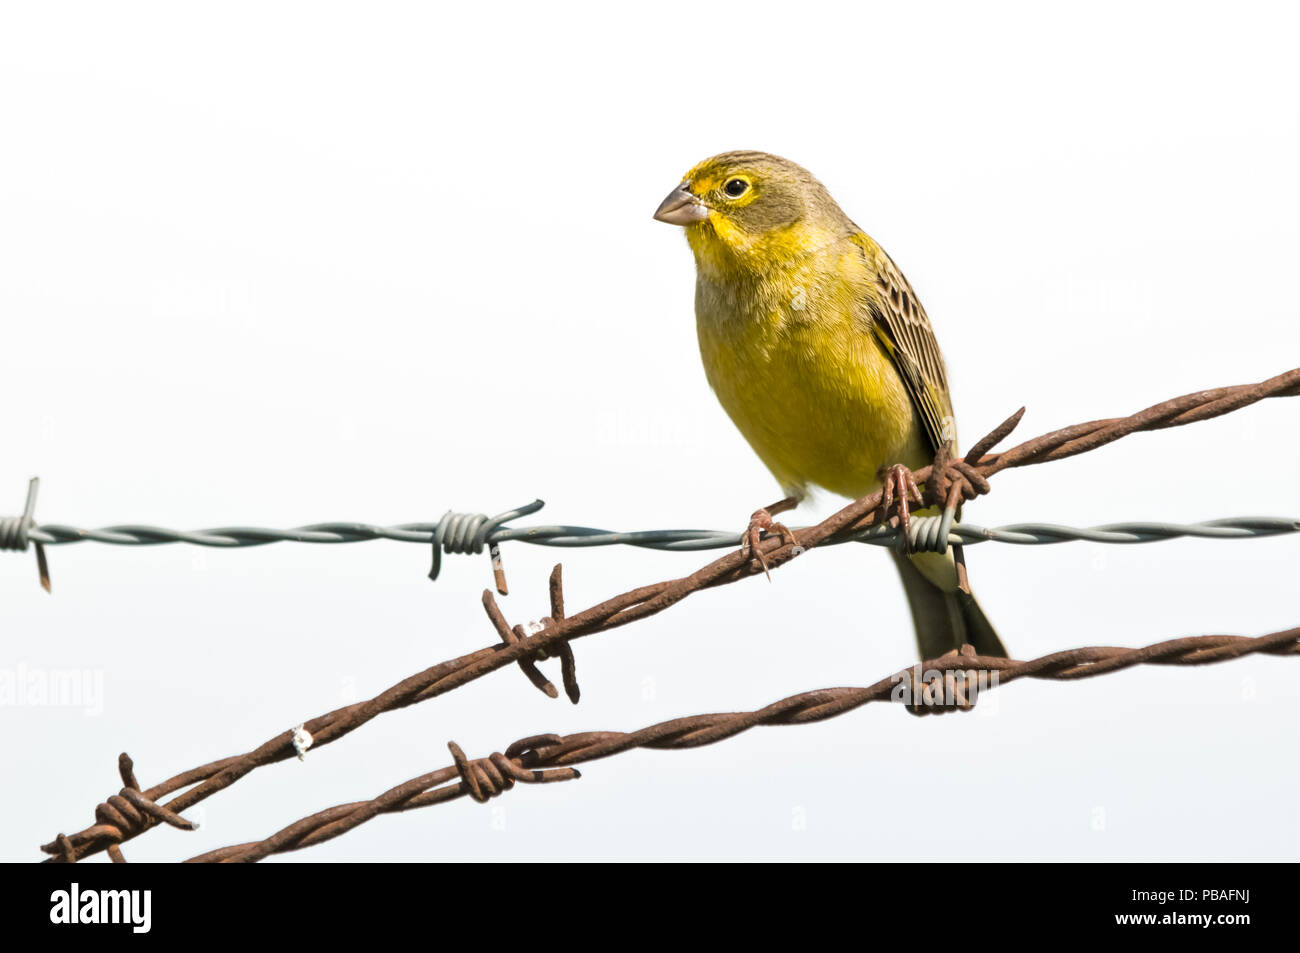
[{"x": 900, "y": 324}]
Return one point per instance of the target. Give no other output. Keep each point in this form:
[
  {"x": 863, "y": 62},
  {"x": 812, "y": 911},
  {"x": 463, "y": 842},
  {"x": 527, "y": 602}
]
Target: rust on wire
[
  {"x": 568, "y": 666},
  {"x": 969, "y": 476}
]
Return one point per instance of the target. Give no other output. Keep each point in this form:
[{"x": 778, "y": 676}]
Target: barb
[
  {"x": 525, "y": 759},
  {"x": 561, "y": 628},
  {"x": 125, "y": 814}
]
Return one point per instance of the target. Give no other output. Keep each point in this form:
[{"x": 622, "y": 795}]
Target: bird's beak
[{"x": 681, "y": 208}]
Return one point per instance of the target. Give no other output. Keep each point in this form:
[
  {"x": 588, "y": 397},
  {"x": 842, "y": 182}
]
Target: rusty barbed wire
[
  {"x": 948, "y": 482},
  {"x": 926, "y": 687}
]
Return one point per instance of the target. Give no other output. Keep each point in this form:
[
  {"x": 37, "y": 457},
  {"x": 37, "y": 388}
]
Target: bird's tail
[{"x": 946, "y": 616}]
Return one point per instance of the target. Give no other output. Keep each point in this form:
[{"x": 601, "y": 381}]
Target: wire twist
[
  {"x": 14, "y": 529},
  {"x": 467, "y": 533},
  {"x": 13, "y": 533},
  {"x": 16, "y": 532},
  {"x": 485, "y": 778},
  {"x": 928, "y": 534}
]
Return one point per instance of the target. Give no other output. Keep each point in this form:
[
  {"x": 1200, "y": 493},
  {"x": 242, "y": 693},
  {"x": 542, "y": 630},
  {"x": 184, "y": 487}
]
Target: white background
[{"x": 279, "y": 264}]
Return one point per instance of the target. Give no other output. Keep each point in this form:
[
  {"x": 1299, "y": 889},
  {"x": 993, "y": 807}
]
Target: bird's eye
[{"x": 735, "y": 188}]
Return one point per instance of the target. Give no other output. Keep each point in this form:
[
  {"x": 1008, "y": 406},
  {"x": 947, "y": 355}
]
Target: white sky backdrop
[{"x": 280, "y": 264}]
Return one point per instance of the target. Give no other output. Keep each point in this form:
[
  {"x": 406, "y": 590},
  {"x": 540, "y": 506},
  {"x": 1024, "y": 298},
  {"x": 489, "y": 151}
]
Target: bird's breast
[{"x": 795, "y": 366}]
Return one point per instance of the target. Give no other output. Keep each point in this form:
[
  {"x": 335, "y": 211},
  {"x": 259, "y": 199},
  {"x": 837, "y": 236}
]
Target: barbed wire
[
  {"x": 953, "y": 682},
  {"x": 681, "y": 540},
  {"x": 947, "y": 483},
  {"x": 460, "y": 532}
]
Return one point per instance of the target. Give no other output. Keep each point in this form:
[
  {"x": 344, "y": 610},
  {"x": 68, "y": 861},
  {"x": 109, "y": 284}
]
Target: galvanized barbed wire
[
  {"x": 945, "y": 482},
  {"x": 923, "y": 687},
  {"x": 470, "y": 532},
  {"x": 673, "y": 540}
]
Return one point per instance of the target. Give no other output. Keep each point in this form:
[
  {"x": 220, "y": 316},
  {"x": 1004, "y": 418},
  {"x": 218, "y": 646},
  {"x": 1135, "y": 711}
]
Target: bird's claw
[
  {"x": 898, "y": 490},
  {"x": 954, "y": 480},
  {"x": 759, "y": 523}
]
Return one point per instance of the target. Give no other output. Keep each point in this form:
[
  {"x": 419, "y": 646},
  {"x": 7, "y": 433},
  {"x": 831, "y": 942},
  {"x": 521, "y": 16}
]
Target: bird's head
[{"x": 751, "y": 211}]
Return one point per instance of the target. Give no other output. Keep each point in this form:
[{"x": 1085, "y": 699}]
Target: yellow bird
[{"x": 823, "y": 357}]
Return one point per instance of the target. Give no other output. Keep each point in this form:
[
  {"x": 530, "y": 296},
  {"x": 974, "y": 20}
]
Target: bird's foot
[
  {"x": 954, "y": 480},
  {"x": 760, "y": 523},
  {"x": 898, "y": 490}
]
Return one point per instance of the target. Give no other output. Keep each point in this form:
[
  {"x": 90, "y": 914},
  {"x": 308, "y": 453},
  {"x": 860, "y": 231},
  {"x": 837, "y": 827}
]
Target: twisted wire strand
[
  {"x": 469, "y": 533},
  {"x": 927, "y": 532}
]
